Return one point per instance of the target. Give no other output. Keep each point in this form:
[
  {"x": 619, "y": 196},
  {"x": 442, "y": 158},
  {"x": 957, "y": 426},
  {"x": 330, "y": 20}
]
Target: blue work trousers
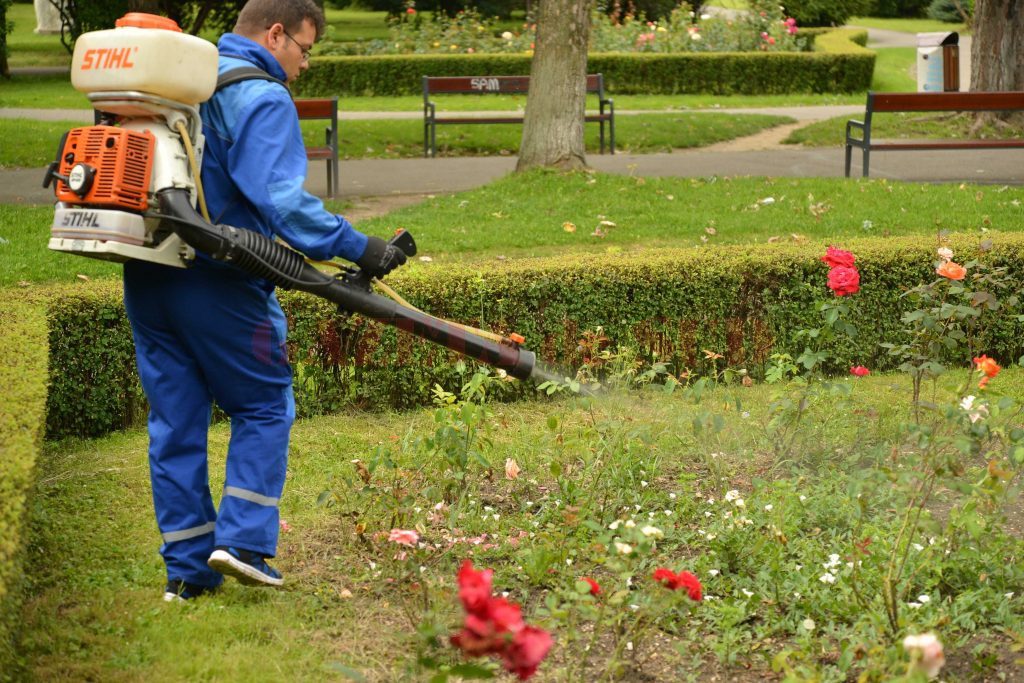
[{"x": 203, "y": 334}]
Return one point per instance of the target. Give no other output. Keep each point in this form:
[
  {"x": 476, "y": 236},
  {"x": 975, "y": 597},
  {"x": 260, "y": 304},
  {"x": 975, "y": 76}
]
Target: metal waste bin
[{"x": 938, "y": 62}]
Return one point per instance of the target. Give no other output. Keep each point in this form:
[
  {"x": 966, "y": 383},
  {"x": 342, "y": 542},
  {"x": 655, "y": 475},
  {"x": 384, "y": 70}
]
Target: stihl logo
[
  {"x": 80, "y": 219},
  {"x": 108, "y": 58}
]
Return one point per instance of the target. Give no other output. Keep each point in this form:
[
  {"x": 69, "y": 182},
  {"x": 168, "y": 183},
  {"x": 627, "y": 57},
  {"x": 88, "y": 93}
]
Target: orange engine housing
[{"x": 122, "y": 159}]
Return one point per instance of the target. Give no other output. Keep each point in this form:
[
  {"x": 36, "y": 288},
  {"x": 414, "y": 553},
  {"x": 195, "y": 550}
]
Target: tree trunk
[
  {"x": 997, "y": 57},
  {"x": 556, "y": 102}
]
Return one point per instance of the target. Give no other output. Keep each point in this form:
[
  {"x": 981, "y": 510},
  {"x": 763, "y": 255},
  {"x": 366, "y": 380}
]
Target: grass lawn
[
  {"x": 33, "y": 143},
  {"x": 53, "y": 92},
  {"x": 895, "y": 70},
  {"x": 907, "y": 25},
  {"x": 27, "y": 48},
  {"x": 640, "y": 133},
  {"x": 525, "y": 216},
  {"x": 356, "y": 607},
  {"x": 906, "y": 126}
]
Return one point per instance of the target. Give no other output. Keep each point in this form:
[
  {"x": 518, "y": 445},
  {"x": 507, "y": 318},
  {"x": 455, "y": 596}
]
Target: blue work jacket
[{"x": 254, "y": 164}]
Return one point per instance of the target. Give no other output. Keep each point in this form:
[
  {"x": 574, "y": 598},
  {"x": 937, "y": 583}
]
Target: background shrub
[
  {"x": 744, "y": 302},
  {"x": 837, "y": 65}
]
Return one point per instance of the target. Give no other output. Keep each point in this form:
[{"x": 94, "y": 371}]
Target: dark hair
[{"x": 259, "y": 15}]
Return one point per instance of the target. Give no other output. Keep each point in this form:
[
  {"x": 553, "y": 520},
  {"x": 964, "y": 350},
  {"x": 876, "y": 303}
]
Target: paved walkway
[{"x": 387, "y": 177}]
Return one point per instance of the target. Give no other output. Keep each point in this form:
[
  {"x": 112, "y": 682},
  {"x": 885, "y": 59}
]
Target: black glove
[{"x": 380, "y": 258}]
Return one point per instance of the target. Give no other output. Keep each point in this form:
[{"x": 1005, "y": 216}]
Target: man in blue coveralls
[{"x": 213, "y": 333}]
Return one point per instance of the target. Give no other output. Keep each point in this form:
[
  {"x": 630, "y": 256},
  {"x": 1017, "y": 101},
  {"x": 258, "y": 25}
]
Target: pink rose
[
  {"x": 404, "y": 537},
  {"x": 859, "y": 371},
  {"x": 925, "y": 652}
]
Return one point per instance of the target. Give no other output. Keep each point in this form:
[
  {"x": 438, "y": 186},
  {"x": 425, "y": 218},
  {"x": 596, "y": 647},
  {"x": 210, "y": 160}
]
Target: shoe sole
[
  {"x": 228, "y": 565},
  {"x": 173, "y": 597}
]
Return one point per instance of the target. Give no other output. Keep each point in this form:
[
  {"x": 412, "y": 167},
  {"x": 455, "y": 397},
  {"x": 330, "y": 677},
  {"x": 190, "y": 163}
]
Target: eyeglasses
[{"x": 306, "y": 51}]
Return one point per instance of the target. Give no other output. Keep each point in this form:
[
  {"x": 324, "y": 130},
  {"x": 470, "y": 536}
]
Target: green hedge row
[
  {"x": 837, "y": 65},
  {"x": 744, "y": 302},
  {"x": 22, "y": 414}
]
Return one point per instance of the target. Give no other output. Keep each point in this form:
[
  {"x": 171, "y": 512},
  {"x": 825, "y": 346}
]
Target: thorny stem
[
  {"x": 918, "y": 500},
  {"x": 590, "y": 645},
  {"x": 626, "y": 637}
]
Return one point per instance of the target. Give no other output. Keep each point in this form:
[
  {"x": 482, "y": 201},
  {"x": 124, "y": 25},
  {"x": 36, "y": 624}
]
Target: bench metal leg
[
  {"x": 602, "y": 137},
  {"x": 864, "y": 163},
  {"x": 849, "y": 155}
]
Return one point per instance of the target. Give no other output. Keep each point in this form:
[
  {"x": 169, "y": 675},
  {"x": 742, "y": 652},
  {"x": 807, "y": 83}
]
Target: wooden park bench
[
  {"x": 479, "y": 85},
  {"x": 323, "y": 109},
  {"x": 929, "y": 101}
]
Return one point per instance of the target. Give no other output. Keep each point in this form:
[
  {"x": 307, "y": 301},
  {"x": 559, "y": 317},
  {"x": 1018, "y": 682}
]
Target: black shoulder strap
[{"x": 246, "y": 73}]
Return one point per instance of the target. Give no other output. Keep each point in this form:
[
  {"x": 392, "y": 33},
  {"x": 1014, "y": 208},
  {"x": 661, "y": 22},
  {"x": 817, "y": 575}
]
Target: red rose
[
  {"x": 692, "y": 585},
  {"x": 843, "y": 280},
  {"x": 837, "y": 257},
  {"x": 859, "y": 371},
  {"x": 684, "y": 579},
  {"x": 506, "y": 616},
  {"x": 595, "y": 589},
  {"x": 478, "y": 637},
  {"x": 474, "y": 588},
  {"x": 665, "y": 576},
  {"x": 526, "y": 651}
]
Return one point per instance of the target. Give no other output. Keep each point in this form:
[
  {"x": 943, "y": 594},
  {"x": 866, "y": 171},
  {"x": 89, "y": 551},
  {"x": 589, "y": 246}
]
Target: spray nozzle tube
[{"x": 260, "y": 256}]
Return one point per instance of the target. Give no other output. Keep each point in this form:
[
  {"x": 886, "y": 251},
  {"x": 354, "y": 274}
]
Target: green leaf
[{"x": 472, "y": 672}]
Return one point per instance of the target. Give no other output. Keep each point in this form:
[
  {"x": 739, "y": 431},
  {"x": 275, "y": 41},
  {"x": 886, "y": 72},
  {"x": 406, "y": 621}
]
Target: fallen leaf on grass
[{"x": 569, "y": 227}]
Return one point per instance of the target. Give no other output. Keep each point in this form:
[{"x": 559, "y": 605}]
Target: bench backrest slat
[
  {"x": 492, "y": 84},
  {"x": 947, "y": 101},
  {"x": 316, "y": 109}
]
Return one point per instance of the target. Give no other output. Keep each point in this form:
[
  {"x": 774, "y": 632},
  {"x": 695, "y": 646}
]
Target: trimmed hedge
[
  {"x": 744, "y": 302},
  {"x": 837, "y": 65},
  {"x": 22, "y": 413}
]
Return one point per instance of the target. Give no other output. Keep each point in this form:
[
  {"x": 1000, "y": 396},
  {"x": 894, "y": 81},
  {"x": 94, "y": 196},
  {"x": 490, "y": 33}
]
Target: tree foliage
[
  {"x": 193, "y": 16},
  {"x": 5, "y": 29},
  {"x": 897, "y": 8},
  {"x": 825, "y": 12}
]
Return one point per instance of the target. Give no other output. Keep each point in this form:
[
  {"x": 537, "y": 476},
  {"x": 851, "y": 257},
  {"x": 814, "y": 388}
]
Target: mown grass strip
[
  {"x": 904, "y": 126},
  {"x": 526, "y": 215},
  {"x": 32, "y": 143}
]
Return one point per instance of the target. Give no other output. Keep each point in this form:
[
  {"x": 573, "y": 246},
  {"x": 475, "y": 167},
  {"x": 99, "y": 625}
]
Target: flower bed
[{"x": 467, "y": 33}]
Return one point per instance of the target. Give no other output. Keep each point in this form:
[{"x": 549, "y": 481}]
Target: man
[{"x": 213, "y": 333}]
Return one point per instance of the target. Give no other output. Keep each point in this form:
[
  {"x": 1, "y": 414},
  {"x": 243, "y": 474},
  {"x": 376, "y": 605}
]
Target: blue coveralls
[{"x": 212, "y": 333}]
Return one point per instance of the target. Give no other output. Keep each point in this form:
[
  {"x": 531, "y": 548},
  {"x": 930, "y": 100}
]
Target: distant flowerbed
[{"x": 682, "y": 31}]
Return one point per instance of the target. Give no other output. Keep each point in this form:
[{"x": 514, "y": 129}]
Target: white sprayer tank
[{"x": 147, "y": 53}]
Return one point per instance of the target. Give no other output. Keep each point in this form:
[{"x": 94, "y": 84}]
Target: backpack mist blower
[{"x": 127, "y": 188}]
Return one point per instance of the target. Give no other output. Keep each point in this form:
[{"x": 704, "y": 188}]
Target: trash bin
[{"x": 938, "y": 62}]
